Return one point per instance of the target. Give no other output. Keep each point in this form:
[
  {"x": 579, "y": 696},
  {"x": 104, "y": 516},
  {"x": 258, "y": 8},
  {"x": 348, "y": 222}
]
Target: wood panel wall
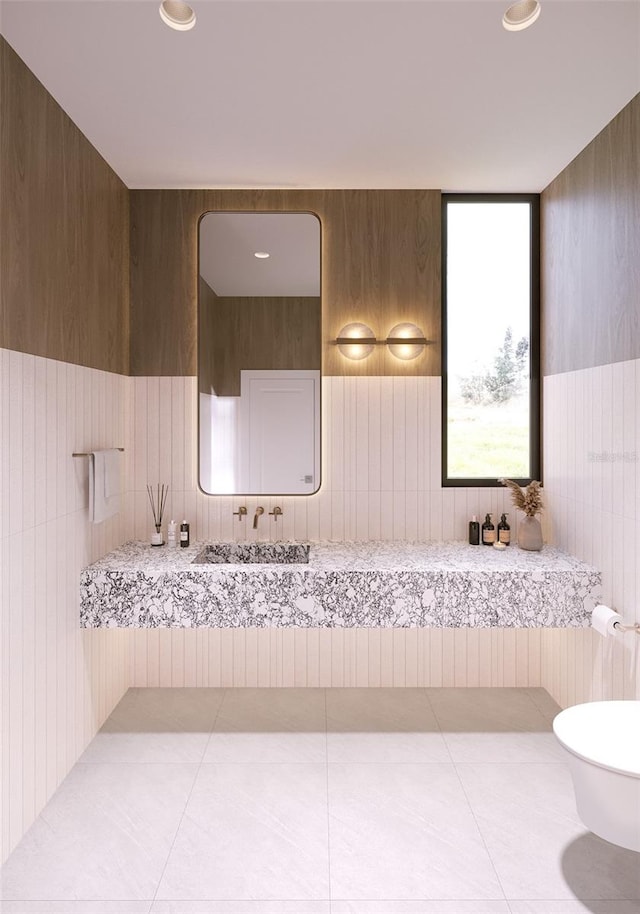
[
  {"x": 64, "y": 233},
  {"x": 590, "y": 219},
  {"x": 260, "y": 333},
  {"x": 380, "y": 265},
  {"x": 207, "y": 299}
]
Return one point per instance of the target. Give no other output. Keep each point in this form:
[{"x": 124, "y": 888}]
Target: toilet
[{"x": 602, "y": 740}]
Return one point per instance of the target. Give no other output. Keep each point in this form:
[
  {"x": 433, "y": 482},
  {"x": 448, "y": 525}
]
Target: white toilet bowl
[{"x": 602, "y": 739}]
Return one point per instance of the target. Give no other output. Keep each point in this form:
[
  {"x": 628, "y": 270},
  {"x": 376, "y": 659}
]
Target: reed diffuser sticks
[{"x": 158, "y": 500}]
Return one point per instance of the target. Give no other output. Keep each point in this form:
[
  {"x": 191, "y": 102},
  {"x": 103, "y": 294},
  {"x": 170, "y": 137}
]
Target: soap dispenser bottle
[
  {"x": 474, "y": 531},
  {"x": 488, "y": 532},
  {"x": 504, "y": 531}
]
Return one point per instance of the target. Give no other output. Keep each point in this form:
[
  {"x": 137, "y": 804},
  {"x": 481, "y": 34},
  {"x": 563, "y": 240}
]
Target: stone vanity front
[{"x": 360, "y": 585}]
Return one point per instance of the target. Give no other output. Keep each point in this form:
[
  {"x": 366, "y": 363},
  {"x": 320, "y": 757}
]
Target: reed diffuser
[{"x": 157, "y": 500}]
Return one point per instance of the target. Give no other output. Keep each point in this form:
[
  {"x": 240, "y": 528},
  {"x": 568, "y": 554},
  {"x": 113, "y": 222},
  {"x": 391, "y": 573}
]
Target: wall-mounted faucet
[
  {"x": 276, "y": 513},
  {"x": 259, "y": 511},
  {"x": 240, "y": 513}
]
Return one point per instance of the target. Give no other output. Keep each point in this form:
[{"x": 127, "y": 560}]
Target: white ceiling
[
  {"x": 334, "y": 93},
  {"x": 228, "y": 242}
]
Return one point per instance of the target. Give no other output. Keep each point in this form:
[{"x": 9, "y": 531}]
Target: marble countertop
[{"x": 344, "y": 585}]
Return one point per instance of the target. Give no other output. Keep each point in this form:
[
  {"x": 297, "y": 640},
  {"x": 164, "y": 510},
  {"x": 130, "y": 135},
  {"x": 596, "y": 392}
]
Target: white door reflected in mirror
[
  {"x": 259, "y": 350},
  {"x": 278, "y": 410}
]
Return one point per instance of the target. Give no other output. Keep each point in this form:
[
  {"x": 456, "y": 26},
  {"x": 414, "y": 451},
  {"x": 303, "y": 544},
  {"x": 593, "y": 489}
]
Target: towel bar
[{"x": 88, "y": 454}]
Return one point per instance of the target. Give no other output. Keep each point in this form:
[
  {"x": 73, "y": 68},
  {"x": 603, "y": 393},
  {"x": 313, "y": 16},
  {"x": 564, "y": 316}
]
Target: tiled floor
[{"x": 313, "y": 801}]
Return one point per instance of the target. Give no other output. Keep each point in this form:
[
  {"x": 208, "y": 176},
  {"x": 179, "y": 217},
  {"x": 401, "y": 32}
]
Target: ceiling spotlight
[
  {"x": 177, "y": 15},
  {"x": 521, "y": 15},
  {"x": 261, "y": 255}
]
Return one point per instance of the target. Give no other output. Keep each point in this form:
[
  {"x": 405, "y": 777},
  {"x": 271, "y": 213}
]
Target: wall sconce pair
[{"x": 405, "y": 341}]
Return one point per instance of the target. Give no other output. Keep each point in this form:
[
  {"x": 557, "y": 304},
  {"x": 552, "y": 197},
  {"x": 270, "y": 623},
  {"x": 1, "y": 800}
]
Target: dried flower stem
[{"x": 529, "y": 499}]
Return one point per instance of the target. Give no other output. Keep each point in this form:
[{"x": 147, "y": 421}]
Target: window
[{"x": 491, "y": 339}]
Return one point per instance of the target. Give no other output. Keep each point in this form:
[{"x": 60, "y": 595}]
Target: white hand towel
[
  {"x": 112, "y": 459},
  {"x": 104, "y": 485}
]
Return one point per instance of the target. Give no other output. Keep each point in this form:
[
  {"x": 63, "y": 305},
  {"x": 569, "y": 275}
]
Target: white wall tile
[
  {"x": 56, "y": 686},
  {"x": 381, "y": 480},
  {"x": 592, "y": 471},
  {"x": 360, "y": 421},
  {"x": 15, "y": 470},
  {"x": 386, "y": 434},
  {"x": 399, "y": 433},
  {"x": 381, "y": 466},
  {"x": 372, "y": 387}
]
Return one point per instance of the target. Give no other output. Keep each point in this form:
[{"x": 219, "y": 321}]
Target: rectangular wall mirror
[{"x": 259, "y": 352}]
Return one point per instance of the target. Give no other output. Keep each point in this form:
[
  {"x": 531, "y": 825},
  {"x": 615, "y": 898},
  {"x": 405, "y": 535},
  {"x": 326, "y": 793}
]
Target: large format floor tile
[
  {"x": 382, "y": 725},
  {"x": 544, "y": 703},
  {"x": 405, "y": 832},
  {"x": 539, "y": 846},
  {"x": 105, "y": 834},
  {"x": 439, "y": 906},
  {"x": 157, "y": 725},
  {"x": 486, "y": 711},
  {"x": 301, "y": 801},
  {"x": 270, "y": 725},
  {"x": 249, "y": 906},
  {"x": 557, "y": 906},
  {"x": 68, "y": 906},
  {"x": 252, "y": 831},
  {"x": 494, "y": 725}
]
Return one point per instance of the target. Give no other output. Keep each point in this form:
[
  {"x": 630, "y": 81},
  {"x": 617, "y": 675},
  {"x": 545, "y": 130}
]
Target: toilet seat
[{"x": 604, "y": 733}]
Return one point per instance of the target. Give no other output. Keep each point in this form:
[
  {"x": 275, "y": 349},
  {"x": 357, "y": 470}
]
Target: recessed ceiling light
[
  {"x": 177, "y": 15},
  {"x": 262, "y": 255},
  {"x": 521, "y": 15}
]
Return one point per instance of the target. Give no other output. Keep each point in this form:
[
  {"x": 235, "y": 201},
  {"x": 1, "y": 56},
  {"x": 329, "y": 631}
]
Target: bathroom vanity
[{"x": 331, "y": 585}]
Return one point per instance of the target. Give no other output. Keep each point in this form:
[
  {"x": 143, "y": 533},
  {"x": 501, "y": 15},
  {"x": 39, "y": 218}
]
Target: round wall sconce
[
  {"x": 521, "y": 15},
  {"x": 406, "y": 341},
  {"x": 177, "y": 15},
  {"x": 356, "y": 341}
]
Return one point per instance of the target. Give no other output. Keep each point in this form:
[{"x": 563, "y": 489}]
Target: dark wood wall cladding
[
  {"x": 206, "y": 336},
  {"x": 64, "y": 233},
  {"x": 380, "y": 265},
  {"x": 260, "y": 333},
  {"x": 590, "y": 240}
]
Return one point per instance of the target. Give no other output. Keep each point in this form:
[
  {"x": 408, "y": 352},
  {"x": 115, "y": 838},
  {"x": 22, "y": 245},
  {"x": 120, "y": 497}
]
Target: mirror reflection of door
[
  {"x": 259, "y": 353},
  {"x": 278, "y": 426}
]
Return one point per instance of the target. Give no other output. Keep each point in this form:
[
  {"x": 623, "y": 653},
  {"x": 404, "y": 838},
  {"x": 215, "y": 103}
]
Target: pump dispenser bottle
[
  {"x": 488, "y": 532},
  {"x": 504, "y": 531},
  {"x": 474, "y": 531}
]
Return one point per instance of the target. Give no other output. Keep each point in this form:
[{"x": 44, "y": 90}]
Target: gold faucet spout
[{"x": 259, "y": 511}]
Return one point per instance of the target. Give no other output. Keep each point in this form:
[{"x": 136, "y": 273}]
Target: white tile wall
[
  {"x": 592, "y": 491},
  {"x": 58, "y": 683},
  {"x": 381, "y": 459},
  {"x": 381, "y": 480},
  {"x": 336, "y": 657},
  {"x": 381, "y": 467}
]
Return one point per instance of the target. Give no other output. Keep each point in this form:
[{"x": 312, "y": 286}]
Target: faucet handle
[
  {"x": 277, "y": 512},
  {"x": 240, "y": 513},
  {"x": 259, "y": 511}
]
